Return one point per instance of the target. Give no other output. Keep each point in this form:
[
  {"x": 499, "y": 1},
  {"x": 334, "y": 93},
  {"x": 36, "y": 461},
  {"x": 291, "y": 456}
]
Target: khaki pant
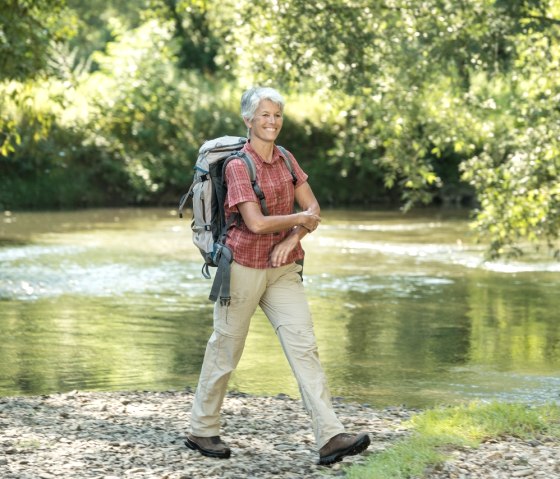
[{"x": 280, "y": 294}]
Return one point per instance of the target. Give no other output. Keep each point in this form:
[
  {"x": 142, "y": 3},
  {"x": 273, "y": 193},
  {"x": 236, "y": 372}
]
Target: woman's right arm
[{"x": 261, "y": 224}]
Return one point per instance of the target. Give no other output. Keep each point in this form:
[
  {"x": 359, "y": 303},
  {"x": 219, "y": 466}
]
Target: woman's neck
[{"x": 265, "y": 149}]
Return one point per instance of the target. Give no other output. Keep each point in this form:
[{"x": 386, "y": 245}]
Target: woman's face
[{"x": 267, "y": 122}]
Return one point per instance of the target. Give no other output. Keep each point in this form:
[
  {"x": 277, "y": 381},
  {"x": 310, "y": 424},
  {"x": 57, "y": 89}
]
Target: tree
[
  {"x": 26, "y": 30},
  {"x": 414, "y": 86},
  {"x": 518, "y": 175}
]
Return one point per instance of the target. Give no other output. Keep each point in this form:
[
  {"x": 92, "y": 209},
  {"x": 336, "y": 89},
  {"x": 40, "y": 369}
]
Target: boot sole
[
  {"x": 337, "y": 456},
  {"x": 205, "y": 452}
]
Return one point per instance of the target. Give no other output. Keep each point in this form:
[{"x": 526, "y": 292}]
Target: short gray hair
[{"x": 253, "y": 96}]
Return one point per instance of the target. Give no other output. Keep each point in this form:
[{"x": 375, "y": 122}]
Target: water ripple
[
  {"x": 447, "y": 254},
  {"x": 36, "y": 251},
  {"x": 365, "y": 283},
  {"x": 29, "y": 278}
]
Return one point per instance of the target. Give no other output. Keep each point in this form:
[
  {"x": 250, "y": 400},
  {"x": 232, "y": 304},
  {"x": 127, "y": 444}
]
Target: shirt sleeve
[{"x": 239, "y": 187}]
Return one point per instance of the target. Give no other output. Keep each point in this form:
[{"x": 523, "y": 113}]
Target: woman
[{"x": 266, "y": 272}]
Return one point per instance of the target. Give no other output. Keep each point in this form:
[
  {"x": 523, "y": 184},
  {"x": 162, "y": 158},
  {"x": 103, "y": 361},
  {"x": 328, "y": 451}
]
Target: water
[{"x": 405, "y": 308}]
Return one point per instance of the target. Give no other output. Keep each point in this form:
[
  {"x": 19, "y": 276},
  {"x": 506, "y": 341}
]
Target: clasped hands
[{"x": 309, "y": 220}]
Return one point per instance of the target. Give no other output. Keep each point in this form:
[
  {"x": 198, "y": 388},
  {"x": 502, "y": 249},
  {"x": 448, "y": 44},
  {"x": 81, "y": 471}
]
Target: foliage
[
  {"x": 26, "y": 31},
  {"x": 403, "y": 75},
  {"x": 198, "y": 42},
  {"x": 441, "y": 429},
  {"x": 99, "y": 22},
  {"x": 517, "y": 175},
  {"x": 52, "y": 166},
  {"x": 159, "y": 115},
  {"x": 429, "y": 102}
]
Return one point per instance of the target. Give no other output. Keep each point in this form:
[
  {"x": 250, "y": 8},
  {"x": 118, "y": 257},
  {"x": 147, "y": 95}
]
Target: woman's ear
[{"x": 247, "y": 122}]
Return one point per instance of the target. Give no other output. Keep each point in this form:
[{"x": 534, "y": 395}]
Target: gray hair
[{"x": 253, "y": 96}]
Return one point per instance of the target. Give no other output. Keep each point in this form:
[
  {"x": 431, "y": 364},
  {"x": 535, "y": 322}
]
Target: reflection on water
[{"x": 405, "y": 308}]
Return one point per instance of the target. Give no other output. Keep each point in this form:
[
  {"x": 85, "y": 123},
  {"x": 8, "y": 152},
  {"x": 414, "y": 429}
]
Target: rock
[{"x": 522, "y": 473}]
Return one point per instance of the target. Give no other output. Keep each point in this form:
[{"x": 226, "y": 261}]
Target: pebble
[
  {"x": 507, "y": 459},
  {"x": 140, "y": 435}
]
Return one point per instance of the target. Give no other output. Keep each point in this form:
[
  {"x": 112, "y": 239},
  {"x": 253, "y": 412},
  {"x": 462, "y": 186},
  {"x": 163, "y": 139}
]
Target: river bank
[{"x": 140, "y": 435}]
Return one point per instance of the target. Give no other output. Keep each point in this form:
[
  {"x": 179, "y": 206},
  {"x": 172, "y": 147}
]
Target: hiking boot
[
  {"x": 343, "y": 445},
  {"x": 208, "y": 446}
]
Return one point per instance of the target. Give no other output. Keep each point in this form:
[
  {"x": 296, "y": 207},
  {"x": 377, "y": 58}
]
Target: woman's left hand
[{"x": 281, "y": 251}]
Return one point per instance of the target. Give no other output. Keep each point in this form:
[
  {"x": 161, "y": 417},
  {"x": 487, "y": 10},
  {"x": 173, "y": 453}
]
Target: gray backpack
[{"x": 208, "y": 192}]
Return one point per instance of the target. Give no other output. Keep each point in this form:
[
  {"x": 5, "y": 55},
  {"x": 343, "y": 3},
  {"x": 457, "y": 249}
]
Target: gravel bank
[{"x": 140, "y": 435}]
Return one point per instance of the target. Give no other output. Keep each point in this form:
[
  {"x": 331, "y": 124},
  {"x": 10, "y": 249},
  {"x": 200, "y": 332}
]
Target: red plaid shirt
[{"x": 275, "y": 180}]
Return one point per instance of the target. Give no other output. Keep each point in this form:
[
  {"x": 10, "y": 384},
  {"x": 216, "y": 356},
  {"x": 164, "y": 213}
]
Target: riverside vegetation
[
  {"x": 105, "y": 103},
  {"x": 140, "y": 435},
  {"x": 401, "y": 102}
]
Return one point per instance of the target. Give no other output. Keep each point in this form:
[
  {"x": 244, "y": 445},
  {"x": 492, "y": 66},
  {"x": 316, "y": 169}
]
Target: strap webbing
[
  {"x": 285, "y": 155},
  {"x": 184, "y": 199},
  {"x": 221, "y": 283},
  {"x": 260, "y": 196}
]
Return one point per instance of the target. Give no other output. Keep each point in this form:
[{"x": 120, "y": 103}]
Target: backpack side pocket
[{"x": 202, "y": 215}]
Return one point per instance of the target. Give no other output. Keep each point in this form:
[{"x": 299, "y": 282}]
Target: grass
[{"x": 442, "y": 429}]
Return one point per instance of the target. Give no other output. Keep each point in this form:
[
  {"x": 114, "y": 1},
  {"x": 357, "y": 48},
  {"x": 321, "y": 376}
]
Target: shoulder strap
[
  {"x": 253, "y": 172},
  {"x": 252, "y": 176},
  {"x": 248, "y": 162},
  {"x": 286, "y": 157}
]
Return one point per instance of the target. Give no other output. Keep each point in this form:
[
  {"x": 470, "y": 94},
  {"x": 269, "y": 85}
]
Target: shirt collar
[{"x": 275, "y": 153}]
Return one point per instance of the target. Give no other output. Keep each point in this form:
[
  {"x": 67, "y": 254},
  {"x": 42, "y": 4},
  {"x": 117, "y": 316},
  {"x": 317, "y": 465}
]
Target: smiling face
[{"x": 267, "y": 122}]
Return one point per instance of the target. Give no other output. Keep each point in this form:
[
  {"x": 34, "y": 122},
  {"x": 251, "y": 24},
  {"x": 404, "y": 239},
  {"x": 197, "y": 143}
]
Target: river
[{"x": 406, "y": 310}]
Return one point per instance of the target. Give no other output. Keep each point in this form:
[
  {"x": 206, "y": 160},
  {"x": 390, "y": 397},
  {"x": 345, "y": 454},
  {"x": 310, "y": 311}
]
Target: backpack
[{"x": 208, "y": 192}]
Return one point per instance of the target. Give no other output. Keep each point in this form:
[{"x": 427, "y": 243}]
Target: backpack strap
[
  {"x": 184, "y": 199},
  {"x": 286, "y": 157},
  {"x": 222, "y": 258},
  {"x": 220, "y": 286},
  {"x": 252, "y": 176},
  {"x": 253, "y": 173}
]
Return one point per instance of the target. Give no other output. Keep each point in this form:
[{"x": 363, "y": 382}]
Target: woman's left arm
[{"x": 307, "y": 202}]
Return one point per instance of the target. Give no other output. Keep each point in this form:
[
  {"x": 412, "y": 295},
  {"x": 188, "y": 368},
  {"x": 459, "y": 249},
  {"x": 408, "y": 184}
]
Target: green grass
[{"x": 442, "y": 429}]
